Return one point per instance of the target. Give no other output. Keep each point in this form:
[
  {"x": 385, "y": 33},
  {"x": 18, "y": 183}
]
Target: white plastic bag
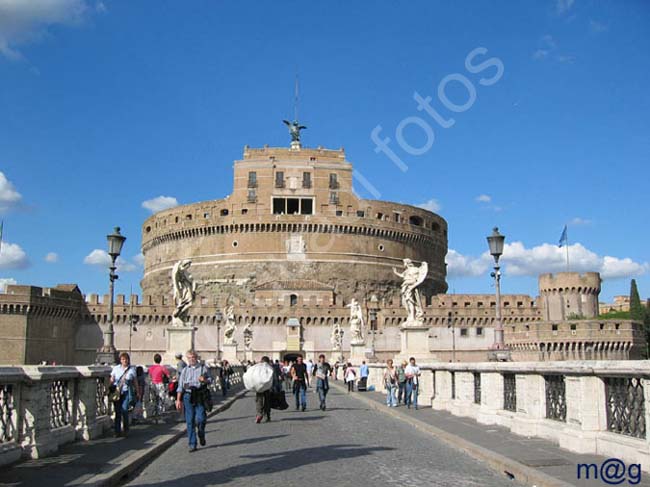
[{"x": 259, "y": 377}]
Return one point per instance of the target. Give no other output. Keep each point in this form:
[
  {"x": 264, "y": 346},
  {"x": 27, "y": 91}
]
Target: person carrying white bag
[{"x": 259, "y": 378}]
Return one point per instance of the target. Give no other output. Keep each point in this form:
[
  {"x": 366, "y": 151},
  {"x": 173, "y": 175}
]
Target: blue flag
[{"x": 563, "y": 238}]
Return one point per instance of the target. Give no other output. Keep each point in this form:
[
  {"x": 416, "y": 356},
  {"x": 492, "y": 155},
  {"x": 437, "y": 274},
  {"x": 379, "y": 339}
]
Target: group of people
[
  {"x": 187, "y": 386},
  {"x": 401, "y": 383}
]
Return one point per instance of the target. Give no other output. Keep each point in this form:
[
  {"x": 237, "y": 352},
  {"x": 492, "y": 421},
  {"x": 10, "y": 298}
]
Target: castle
[{"x": 289, "y": 249}]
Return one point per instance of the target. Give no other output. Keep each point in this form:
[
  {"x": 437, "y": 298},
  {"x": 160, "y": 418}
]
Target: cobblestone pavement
[{"x": 347, "y": 445}]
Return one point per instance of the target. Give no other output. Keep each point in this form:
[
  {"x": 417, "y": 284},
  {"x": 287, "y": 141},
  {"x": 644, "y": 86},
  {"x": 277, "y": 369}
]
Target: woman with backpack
[
  {"x": 125, "y": 393},
  {"x": 390, "y": 384}
]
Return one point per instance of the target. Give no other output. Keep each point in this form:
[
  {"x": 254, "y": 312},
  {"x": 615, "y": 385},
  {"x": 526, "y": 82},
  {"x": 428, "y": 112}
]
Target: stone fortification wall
[{"x": 569, "y": 294}]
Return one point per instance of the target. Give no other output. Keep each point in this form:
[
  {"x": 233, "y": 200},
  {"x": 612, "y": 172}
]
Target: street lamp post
[
  {"x": 450, "y": 324},
  {"x": 107, "y": 354},
  {"x": 498, "y": 350},
  {"x": 218, "y": 317}
]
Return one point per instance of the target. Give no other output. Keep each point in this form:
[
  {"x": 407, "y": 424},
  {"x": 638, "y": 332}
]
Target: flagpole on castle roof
[{"x": 567, "y": 252}]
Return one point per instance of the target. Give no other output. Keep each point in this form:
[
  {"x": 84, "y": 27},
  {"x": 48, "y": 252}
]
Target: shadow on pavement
[
  {"x": 245, "y": 441},
  {"x": 269, "y": 463}
]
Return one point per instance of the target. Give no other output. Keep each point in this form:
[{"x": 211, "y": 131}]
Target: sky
[{"x": 528, "y": 116}]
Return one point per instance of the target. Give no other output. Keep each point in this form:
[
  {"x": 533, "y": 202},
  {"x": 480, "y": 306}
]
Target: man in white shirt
[{"x": 412, "y": 373}]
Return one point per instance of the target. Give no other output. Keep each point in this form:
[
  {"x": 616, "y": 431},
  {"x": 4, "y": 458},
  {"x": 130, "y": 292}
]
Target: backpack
[{"x": 172, "y": 388}]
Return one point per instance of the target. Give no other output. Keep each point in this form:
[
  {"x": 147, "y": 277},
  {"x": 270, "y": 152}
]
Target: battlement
[
  {"x": 587, "y": 282},
  {"x": 318, "y": 154}
]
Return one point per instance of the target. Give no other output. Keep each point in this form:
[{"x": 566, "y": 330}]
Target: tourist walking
[
  {"x": 138, "y": 409},
  {"x": 263, "y": 399},
  {"x": 160, "y": 377},
  {"x": 227, "y": 370},
  {"x": 390, "y": 384},
  {"x": 286, "y": 372},
  {"x": 192, "y": 386},
  {"x": 401, "y": 382},
  {"x": 300, "y": 381},
  {"x": 364, "y": 372},
  {"x": 180, "y": 364},
  {"x": 126, "y": 392},
  {"x": 412, "y": 372},
  {"x": 350, "y": 377},
  {"x": 323, "y": 371}
]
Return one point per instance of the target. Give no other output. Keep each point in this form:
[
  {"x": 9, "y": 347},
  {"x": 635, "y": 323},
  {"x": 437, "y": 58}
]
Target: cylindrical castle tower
[
  {"x": 294, "y": 220},
  {"x": 569, "y": 294}
]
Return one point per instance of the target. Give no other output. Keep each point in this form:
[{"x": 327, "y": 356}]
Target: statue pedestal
[
  {"x": 357, "y": 353},
  {"x": 229, "y": 353},
  {"x": 249, "y": 355},
  {"x": 415, "y": 343},
  {"x": 179, "y": 340}
]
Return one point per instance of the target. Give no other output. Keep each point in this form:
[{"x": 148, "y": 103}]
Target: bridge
[{"x": 479, "y": 424}]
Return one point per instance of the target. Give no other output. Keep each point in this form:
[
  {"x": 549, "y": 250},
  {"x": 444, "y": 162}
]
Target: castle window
[
  {"x": 279, "y": 206},
  {"x": 397, "y": 217},
  {"x": 435, "y": 227},
  {"x": 573, "y": 327},
  {"x": 334, "y": 183},
  {"x": 339, "y": 213},
  {"x": 306, "y": 206},
  {"x": 252, "y": 179},
  {"x": 306, "y": 180},
  {"x": 176, "y": 219},
  {"x": 293, "y": 206},
  {"x": 380, "y": 247},
  {"x": 293, "y": 300},
  {"x": 224, "y": 212},
  {"x": 334, "y": 198},
  {"x": 415, "y": 220},
  {"x": 206, "y": 215},
  {"x": 479, "y": 331},
  {"x": 380, "y": 216},
  {"x": 553, "y": 327},
  {"x": 188, "y": 217},
  {"x": 244, "y": 211},
  {"x": 252, "y": 196},
  {"x": 279, "y": 179},
  {"x": 463, "y": 332},
  {"x": 361, "y": 213},
  {"x": 148, "y": 229}
]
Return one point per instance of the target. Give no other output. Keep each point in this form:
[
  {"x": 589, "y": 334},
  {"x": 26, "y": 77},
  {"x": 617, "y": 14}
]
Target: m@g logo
[{"x": 612, "y": 472}]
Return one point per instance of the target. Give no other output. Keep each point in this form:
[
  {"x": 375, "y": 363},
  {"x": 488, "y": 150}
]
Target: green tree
[{"x": 637, "y": 310}]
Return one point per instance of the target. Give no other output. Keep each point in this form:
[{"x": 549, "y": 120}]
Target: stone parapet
[{"x": 589, "y": 407}]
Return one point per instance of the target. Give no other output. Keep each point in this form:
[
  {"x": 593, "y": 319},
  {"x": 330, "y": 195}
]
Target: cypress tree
[{"x": 637, "y": 310}]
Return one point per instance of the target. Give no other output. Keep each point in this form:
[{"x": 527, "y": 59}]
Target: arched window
[{"x": 293, "y": 300}]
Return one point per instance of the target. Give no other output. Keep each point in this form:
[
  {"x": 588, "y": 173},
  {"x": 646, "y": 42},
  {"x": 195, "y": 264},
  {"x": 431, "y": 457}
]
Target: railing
[
  {"x": 589, "y": 407},
  {"x": 42, "y": 408}
]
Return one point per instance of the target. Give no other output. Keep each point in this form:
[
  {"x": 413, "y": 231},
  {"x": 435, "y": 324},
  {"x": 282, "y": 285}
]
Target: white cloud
[
  {"x": 563, "y": 6},
  {"x": 9, "y": 197},
  {"x": 4, "y": 282},
  {"x": 159, "y": 203},
  {"x": 23, "y": 21},
  {"x": 52, "y": 257},
  {"x": 484, "y": 198},
  {"x": 431, "y": 205},
  {"x": 598, "y": 26},
  {"x": 518, "y": 260},
  {"x": 100, "y": 258},
  {"x": 459, "y": 265},
  {"x": 577, "y": 221},
  {"x": 139, "y": 259},
  {"x": 13, "y": 257}
]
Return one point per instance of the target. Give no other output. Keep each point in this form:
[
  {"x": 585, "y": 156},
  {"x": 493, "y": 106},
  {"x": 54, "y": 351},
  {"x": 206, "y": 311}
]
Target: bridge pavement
[{"x": 350, "y": 444}]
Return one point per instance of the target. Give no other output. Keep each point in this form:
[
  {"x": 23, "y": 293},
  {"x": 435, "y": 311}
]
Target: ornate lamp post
[
  {"x": 107, "y": 354},
  {"x": 218, "y": 316},
  {"x": 498, "y": 350}
]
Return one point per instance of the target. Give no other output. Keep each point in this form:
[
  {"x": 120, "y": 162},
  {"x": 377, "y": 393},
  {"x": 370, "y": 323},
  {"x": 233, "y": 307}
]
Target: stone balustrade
[
  {"x": 590, "y": 407},
  {"x": 42, "y": 408}
]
